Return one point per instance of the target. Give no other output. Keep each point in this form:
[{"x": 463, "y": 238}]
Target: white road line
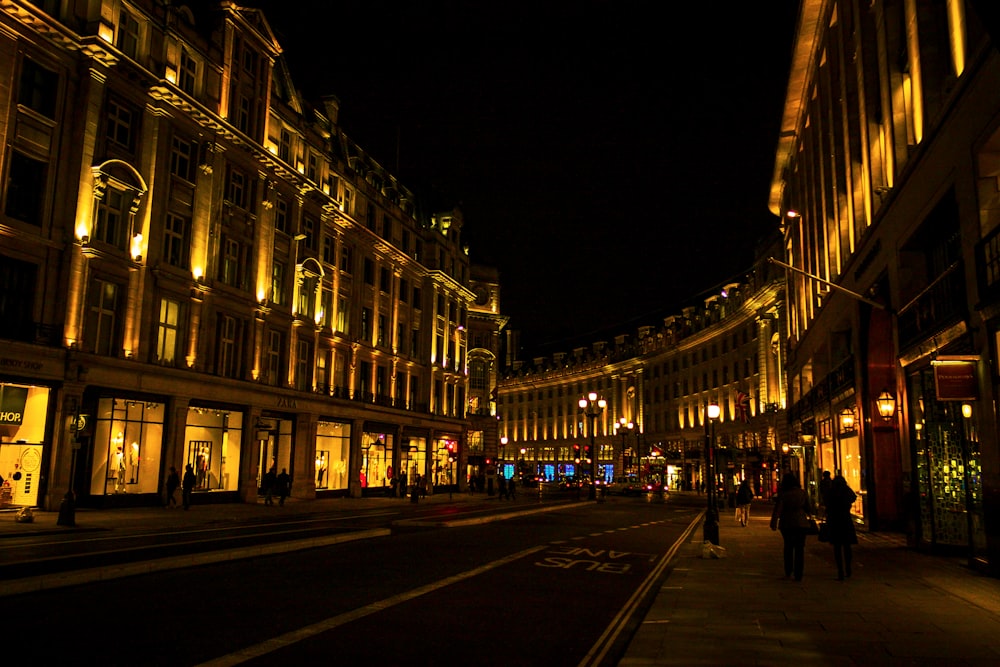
[
  {"x": 308, "y": 631},
  {"x": 617, "y": 625}
]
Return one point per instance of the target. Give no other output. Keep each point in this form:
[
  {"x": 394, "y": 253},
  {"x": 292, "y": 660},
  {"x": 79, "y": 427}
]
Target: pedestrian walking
[
  {"x": 744, "y": 496},
  {"x": 284, "y": 485},
  {"x": 510, "y": 489},
  {"x": 825, "y": 485},
  {"x": 187, "y": 485},
  {"x": 840, "y": 524},
  {"x": 268, "y": 484},
  {"x": 173, "y": 481},
  {"x": 501, "y": 487},
  {"x": 791, "y": 515}
]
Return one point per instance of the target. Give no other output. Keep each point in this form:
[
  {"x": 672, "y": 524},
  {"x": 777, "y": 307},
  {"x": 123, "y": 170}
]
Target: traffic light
[
  {"x": 586, "y": 453},
  {"x": 576, "y": 453},
  {"x": 452, "y": 451}
]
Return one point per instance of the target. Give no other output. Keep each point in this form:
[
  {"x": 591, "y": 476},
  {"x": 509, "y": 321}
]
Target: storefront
[
  {"x": 126, "y": 446},
  {"x": 275, "y": 434},
  {"x": 24, "y": 414},
  {"x": 333, "y": 455},
  {"x": 213, "y": 441},
  {"x": 947, "y": 470},
  {"x": 377, "y": 459}
]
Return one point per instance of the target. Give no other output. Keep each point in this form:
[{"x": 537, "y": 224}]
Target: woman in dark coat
[
  {"x": 840, "y": 524},
  {"x": 791, "y": 515}
]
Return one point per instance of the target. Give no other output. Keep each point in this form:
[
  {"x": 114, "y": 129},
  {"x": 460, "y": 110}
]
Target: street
[{"x": 547, "y": 588}]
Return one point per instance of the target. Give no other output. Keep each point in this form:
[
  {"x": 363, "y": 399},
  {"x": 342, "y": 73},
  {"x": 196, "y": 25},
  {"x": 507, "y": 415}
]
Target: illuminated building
[
  {"x": 886, "y": 183},
  {"x": 726, "y": 349},
  {"x": 199, "y": 268}
]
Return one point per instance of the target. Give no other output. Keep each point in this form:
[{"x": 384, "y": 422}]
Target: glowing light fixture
[
  {"x": 967, "y": 410},
  {"x": 847, "y": 419},
  {"x": 886, "y": 404}
]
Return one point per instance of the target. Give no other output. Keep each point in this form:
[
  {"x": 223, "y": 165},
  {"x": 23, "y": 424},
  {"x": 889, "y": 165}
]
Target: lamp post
[
  {"x": 503, "y": 454},
  {"x": 592, "y": 407},
  {"x": 624, "y": 426},
  {"x": 711, "y": 528}
]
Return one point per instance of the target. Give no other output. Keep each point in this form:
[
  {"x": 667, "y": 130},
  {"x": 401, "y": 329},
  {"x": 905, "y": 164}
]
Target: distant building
[
  {"x": 726, "y": 349},
  {"x": 886, "y": 182},
  {"x": 198, "y": 267}
]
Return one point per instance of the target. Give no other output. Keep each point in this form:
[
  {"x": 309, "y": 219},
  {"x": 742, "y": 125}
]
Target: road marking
[
  {"x": 289, "y": 638},
  {"x": 607, "y": 639}
]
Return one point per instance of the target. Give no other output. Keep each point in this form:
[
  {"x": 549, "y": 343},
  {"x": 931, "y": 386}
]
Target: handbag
[
  {"x": 824, "y": 532},
  {"x": 813, "y": 527}
]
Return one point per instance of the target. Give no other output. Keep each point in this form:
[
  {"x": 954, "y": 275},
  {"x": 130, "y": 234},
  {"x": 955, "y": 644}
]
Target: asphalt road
[{"x": 555, "y": 588}]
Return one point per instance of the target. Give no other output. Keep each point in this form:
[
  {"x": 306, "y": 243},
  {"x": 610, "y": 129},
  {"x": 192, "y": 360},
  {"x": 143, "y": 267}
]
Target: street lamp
[
  {"x": 624, "y": 426},
  {"x": 711, "y": 529},
  {"x": 503, "y": 453},
  {"x": 592, "y": 407}
]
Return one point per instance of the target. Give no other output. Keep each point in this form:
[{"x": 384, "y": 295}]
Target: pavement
[{"x": 900, "y": 607}]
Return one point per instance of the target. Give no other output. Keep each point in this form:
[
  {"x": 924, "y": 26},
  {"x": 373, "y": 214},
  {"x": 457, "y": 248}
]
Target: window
[
  {"x": 101, "y": 326},
  {"x": 175, "y": 246},
  {"x": 25, "y": 188},
  {"x": 369, "y": 271},
  {"x": 168, "y": 332},
  {"x": 416, "y": 297},
  {"x": 17, "y": 298},
  {"x": 236, "y": 187},
  {"x": 346, "y": 259},
  {"x": 128, "y": 34},
  {"x": 37, "y": 89},
  {"x": 241, "y": 112},
  {"x": 232, "y": 268},
  {"x": 404, "y": 290},
  {"x": 188, "y": 74},
  {"x": 366, "y": 324},
  {"x": 381, "y": 330},
  {"x": 278, "y": 283},
  {"x": 272, "y": 358},
  {"x": 121, "y": 124},
  {"x": 312, "y": 167},
  {"x": 285, "y": 145},
  {"x": 230, "y": 347},
  {"x": 385, "y": 280},
  {"x": 415, "y": 342},
  {"x": 303, "y": 366},
  {"x": 328, "y": 249},
  {"x": 112, "y": 217},
  {"x": 370, "y": 217},
  {"x": 342, "y": 318},
  {"x": 309, "y": 226},
  {"x": 281, "y": 215},
  {"x": 180, "y": 159}
]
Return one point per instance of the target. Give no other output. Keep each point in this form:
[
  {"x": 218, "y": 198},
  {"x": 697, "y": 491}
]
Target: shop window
[
  {"x": 23, "y": 415},
  {"x": 333, "y": 453},
  {"x": 213, "y": 440},
  {"x": 128, "y": 442},
  {"x": 377, "y": 460}
]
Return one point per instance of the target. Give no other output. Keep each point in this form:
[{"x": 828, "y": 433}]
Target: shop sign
[
  {"x": 955, "y": 379},
  {"x": 12, "y": 401}
]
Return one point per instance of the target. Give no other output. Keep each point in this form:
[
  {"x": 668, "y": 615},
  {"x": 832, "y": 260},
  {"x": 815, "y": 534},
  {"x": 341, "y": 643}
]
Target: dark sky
[{"x": 612, "y": 158}]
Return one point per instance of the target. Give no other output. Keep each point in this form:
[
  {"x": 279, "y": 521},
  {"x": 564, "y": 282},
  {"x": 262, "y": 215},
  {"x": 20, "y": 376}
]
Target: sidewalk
[{"x": 900, "y": 607}]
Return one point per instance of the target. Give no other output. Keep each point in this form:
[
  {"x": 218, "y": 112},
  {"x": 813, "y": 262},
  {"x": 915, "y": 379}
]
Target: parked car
[{"x": 627, "y": 485}]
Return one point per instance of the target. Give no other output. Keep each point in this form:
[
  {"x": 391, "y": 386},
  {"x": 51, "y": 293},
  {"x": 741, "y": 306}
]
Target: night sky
[{"x": 612, "y": 158}]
